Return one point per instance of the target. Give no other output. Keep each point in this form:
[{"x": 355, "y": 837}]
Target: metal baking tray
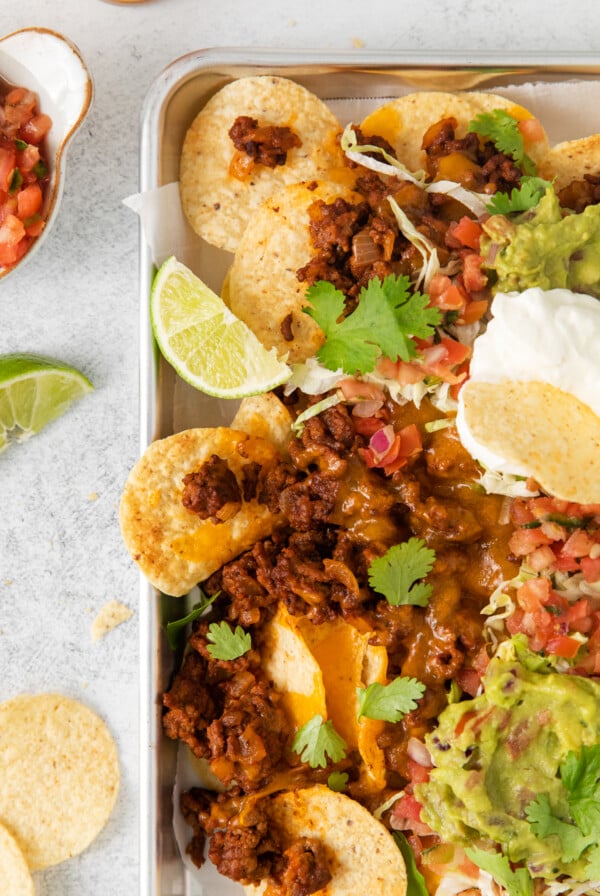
[{"x": 168, "y": 405}]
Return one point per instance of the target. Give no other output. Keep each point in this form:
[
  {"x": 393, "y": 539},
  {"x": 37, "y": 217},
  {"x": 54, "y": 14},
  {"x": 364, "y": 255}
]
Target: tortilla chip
[
  {"x": 571, "y": 160},
  {"x": 348, "y": 661},
  {"x": 404, "y": 121},
  {"x": 15, "y": 879},
  {"x": 362, "y": 853},
  {"x": 217, "y": 204},
  {"x": 265, "y": 416},
  {"x": 536, "y": 426},
  {"x": 59, "y": 776},
  {"x": 175, "y": 548},
  {"x": 264, "y": 290},
  {"x": 289, "y": 664}
]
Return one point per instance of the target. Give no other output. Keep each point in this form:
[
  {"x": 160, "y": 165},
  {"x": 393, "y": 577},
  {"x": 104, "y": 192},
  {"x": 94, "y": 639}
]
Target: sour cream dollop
[{"x": 548, "y": 336}]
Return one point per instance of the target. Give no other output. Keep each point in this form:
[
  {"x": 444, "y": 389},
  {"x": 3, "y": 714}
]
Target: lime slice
[
  {"x": 208, "y": 346},
  {"x": 34, "y": 391}
]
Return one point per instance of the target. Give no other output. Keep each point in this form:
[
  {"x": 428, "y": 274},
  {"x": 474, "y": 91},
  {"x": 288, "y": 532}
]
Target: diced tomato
[
  {"x": 467, "y": 232},
  {"x": 524, "y": 541},
  {"x": 563, "y": 646},
  {"x": 532, "y": 130},
  {"x": 36, "y": 129},
  {"x": 469, "y": 680},
  {"x": 407, "y": 807},
  {"x": 590, "y": 568},
  {"x": 29, "y": 201},
  {"x": 473, "y": 311},
  {"x": 579, "y": 544},
  {"x": 8, "y": 162},
  {"x": 417, "y": 773},
  {"x": 474, "y": 277},
  {"x": 445, "y": 294},
  {"x": 366, "y": 426}
]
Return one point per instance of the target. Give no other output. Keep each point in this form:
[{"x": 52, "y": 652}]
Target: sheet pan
[{"x": 347, "y": 81}]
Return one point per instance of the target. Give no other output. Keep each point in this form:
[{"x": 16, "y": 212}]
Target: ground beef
[
  {"x": 580, "y": 193},
  {"x": 306, "y": 868},
  {"x": 227, "y": 712},
  {"x": 265, "y": 145},
  {"x": 212, "y": 492}
]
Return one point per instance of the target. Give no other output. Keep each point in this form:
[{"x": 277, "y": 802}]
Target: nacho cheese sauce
[{"x": 536, "y": 336}]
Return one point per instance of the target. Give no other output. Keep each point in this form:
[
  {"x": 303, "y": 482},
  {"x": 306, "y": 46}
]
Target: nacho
[
  {"x": 360, "y": 854},
  {"x": 571, "y": 160},
  {"x": 174, "y": 547},
  {"x": 219, "y": 196},
  {"x": 264, "y": 416},
  {"x": 541, "y": 428},
  {"x": 15, "y": 879},
  {"x": 59, "y": 776},
  {"x": 263, "y": 287},
  {"x": 288, "y": 662},
  {"x": 404, "y": 121}
]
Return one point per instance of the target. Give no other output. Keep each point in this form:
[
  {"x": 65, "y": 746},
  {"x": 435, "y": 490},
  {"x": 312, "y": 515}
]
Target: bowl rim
[{"x": 57, "y": 176}]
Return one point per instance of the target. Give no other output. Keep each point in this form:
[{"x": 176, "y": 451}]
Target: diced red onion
[
  {"x": 366, "y": 408},
  {"x": 382, "y": 440},
  {"x": 419, "y": 753}
]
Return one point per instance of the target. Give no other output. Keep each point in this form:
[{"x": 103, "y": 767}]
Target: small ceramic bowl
[{"x": 50, "y": 65}]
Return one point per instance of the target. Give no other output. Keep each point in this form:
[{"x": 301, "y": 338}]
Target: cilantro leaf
[
  {"x": 227, "y": 644},
  {"x": 389, "y": 702},
  {"x": 396, "y": 574},
  {"x": 521, "y": 198},
  {"x": 384, "y": 322},
  {"x": 337, "y": 781},
  {"x": 316, "y": 741},
  {"x": 516, "y": 883},
  {"x": 414, "y": 879},
  {"x": 592, "y": 869},
  {"x": 544, "y": 823},
  {"x": 503, "y": 130},
  {"x": 175, "y": 628},
  {"x": 581, "y": 776}
]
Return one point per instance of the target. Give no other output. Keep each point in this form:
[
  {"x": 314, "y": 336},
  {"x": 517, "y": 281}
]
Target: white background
[{"x": 61, "y": 557}]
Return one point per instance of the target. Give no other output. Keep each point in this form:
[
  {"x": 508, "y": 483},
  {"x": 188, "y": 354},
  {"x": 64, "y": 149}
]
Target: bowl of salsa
[{"x": 45, "y": 94}]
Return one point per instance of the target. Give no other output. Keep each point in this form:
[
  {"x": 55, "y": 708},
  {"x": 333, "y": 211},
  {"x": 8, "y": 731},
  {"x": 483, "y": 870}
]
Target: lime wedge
[
  {"x": 208, "y": 346},
  {"x": 34, "y": 391}
]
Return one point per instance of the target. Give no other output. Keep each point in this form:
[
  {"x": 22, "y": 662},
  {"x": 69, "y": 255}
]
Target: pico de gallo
[{"x": 24, "y": 172}]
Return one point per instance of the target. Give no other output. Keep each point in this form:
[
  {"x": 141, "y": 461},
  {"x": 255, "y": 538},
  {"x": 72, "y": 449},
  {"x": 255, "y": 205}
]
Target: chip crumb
[
  {"x": 292, "y": 23},
  {"x": 110, "y": 616},
  {"x": 358, "y": 42},
  {"x": 93, "y": 496}
]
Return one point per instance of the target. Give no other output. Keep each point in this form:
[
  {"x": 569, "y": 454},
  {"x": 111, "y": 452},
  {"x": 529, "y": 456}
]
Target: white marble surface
[{"x": 61, "y": 557}]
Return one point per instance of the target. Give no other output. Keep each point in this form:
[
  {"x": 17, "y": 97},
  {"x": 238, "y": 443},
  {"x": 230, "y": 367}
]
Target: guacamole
[
  {"x": 494, "y": 755},
  {"x": 544, "y": 247}
]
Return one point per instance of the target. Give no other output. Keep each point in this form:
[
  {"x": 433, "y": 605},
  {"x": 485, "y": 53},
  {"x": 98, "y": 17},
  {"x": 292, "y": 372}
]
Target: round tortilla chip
[
  {"x": 265, "y": 416},
  {"x": 288, "y": 662},
  {"x": 362, "y": 853},
  {"x": 571, "y": 160},
  {"x": 59, "y": 776},
  {"x": 15, "y": 879},
  {"x": 264, "y": 290},
  {"x": 217, "y": 204},
  {"x": 541, "y": 428},
  {"x": 175, "y": 548},
  {"x": 404, "y": 121}
]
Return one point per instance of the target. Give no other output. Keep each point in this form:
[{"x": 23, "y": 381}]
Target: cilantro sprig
[
  {"x": 521, "y": 198},
  {"x": 516, "y": 883},
  {"x": 397, "y": 574},
  {"x": 227, "y": 643},
  {"x": 389, "y": 702},
  {"x": 385, "y": 322},
  {"x": 317, "y": 741},
  {"x": 503, "y": 130},
  {"x": 577, "y": 822},
  {"x": 415, "y": 882},
  {"x": 175, "y": 628}
]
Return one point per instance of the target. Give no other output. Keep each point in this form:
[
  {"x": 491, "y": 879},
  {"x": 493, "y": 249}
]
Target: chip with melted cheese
[
  {"x": 571, "y": 160},
  {"x": 404, "y": 121},
  {"x": 174, "y": 547},
  {"x": 220, "y": 185},
  {"x": 361, "y": 854}
]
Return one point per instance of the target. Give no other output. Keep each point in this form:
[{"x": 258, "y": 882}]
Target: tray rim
[{"x": 187, "y": 66}]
